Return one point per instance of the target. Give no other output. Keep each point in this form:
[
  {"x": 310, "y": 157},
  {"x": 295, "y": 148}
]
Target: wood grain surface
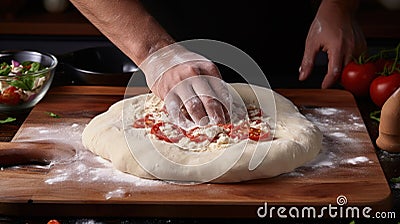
[{"x": 85, "y": 185}]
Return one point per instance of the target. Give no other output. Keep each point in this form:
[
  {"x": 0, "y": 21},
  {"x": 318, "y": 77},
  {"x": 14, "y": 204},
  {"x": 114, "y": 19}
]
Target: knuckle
[
  {"x": 211, "y": 68},
  {"x": 190, "y": 70}
]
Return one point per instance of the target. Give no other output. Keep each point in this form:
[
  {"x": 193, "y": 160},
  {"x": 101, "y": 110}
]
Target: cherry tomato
[
  {"x": 357, "y": 78},
  {"x": 178, "y": 135},
  {"x": 256, "y": 134},
  {"x": 53, "y": 221},
  {"x": 383, "y": 87},
  {"x": 10, "y": 96}
]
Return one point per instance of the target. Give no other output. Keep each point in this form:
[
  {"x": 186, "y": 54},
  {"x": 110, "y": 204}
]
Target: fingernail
[
  {"x": 301, "y": 76},
  {"x": 204, "y": 121},
  {"x": 325, "y": 84}
]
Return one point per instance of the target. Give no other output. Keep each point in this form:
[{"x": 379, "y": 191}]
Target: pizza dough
[{"x": 296, "y": 142}]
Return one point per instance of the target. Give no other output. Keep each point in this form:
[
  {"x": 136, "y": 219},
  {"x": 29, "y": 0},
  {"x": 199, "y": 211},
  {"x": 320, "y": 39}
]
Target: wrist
[
  {"x": 150, "y": 40},
  {"x": 160, "y": 61}
]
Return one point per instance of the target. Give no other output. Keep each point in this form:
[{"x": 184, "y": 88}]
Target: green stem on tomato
[
  {"x": 362, "y": 58},
  {"x": 375, "y": 115},
  {"x": 373, "y": 57},
  {"x": 394, "y": 65}
]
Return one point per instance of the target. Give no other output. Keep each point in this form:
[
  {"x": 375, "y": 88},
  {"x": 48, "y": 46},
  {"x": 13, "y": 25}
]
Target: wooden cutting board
[{"x": 86, "y": 185}]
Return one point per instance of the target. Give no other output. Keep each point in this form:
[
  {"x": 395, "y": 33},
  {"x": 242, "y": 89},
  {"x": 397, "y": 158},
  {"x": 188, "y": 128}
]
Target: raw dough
[{"x": 296, "y": 142}]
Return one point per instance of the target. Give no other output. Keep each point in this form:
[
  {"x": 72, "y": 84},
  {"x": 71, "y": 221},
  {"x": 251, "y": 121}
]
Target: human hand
[
  {"x": 335, "y": 31},
  {"x": 190, "y": 86}
]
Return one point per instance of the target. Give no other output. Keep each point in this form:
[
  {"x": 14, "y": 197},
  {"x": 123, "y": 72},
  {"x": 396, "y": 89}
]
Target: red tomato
[
  {"x": 53, "y": 221},
  {"x": 240, "y": 132},
  {"x": 357, "y": 78},
  {"x": 147, "y": 121},
  {"x": 139, "y": 123},
  {"x": 256, "y": 134},
  {"x": 180, "y": 133},
  {"x": 383, "y": 87},
  {"x": 10, "y": 96},
  {"x": 197, "y": 138}
]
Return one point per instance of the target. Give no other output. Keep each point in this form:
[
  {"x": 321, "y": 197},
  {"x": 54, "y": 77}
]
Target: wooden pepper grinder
[{"x": 389, "y": 127}]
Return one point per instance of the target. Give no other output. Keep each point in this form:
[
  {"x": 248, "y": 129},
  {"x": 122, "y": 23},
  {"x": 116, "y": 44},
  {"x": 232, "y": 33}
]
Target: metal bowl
[
  {"x": 21, "y": 91},
  {"x": 106, "y": 66}
]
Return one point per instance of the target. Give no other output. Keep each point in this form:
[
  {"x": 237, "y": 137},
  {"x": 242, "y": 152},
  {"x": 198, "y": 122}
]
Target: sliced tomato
[
  {"x": 256, "y": 134},
  {"x": 198, "y": 137},
  {"x": 139, "y": 123},
  {"x": 10, "y": 96},
  {"x": 180, "y": 133},
  {"x": 240, "y": 132},
  {"x": 147, "y": 121}
]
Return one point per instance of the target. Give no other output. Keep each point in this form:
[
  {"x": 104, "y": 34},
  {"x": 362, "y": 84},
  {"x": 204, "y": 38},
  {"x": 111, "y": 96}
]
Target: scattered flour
[
  {"x": 84, "y": 167},
  {"x": 337, "y": 126},
  {"x": 338, "y": 134},
  {"x": 326, "y": 111},
  {"x": 118, "y": 193},
  {"x": 357, "y": 160}
]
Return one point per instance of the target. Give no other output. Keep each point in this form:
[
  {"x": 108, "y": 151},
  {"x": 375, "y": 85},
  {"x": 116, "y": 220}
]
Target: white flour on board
[
  {"x": 85, "y": 167},
  {"x": 357, "y": 160},
  {"x": 336, "y": 125}
]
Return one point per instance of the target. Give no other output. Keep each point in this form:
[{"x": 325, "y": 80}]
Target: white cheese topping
[{"x": 217, "y": 135}]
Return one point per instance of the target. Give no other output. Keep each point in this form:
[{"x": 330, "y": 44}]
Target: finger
[
  {"x": 360, "y": 41},
  {"x": 219, "y": 87},
  {"x": 210, "y": 100},
  {"x": 224, "y": 97},
  {"x": 334, "y": 68},
  {"x": 347, "y": 58},
  {"x": 307, "y": 63},
  {"x": 193, "y": 104},
  {"x": 173, "y": 105}
]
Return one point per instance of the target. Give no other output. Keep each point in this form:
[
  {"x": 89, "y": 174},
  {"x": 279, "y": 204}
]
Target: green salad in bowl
[{"x": 25, "y": 77}]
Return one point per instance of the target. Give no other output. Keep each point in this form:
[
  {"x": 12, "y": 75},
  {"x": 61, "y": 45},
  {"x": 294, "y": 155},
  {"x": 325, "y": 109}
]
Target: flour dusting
[
  {"x": 327, "y": 111},
  {"x": 118, "y": 193},
  {"x": 338, "y": 127},
  {"x": 85, "y": 167},
  {"x": 357, "y": 160}
]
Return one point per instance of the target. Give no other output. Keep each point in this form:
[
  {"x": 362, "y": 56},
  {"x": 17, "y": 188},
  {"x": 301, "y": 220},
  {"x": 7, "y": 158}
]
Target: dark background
[{"x": 273, "y": 33}]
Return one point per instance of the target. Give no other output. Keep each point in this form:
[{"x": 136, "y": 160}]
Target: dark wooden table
[{"x": 389, "y": 162}]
